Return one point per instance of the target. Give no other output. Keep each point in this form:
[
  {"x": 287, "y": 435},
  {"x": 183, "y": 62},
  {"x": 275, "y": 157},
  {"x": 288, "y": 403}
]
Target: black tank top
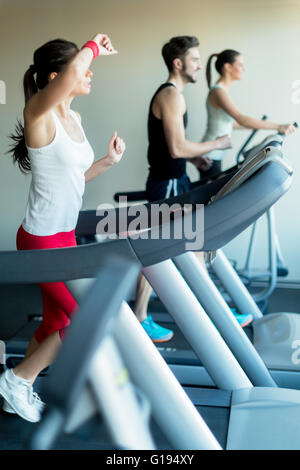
[{"x": 162, "y": 165}]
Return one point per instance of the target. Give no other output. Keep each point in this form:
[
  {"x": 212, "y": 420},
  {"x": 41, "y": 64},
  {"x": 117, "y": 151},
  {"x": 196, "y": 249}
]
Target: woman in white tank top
[
  {"x": 53, "y": 146},
  {"x": 222, "y": 113}
]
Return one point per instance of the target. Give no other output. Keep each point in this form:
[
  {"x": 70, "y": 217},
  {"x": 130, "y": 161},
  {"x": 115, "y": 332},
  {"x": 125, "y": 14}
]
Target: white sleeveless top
[
  {"x": 219, "y": 123},
  {"x": 58, "y": 182}
]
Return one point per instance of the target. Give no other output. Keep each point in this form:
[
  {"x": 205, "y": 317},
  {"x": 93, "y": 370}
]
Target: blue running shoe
[
  {"x": 157, "y": 333},
  {"x": 243, "y": 319}
]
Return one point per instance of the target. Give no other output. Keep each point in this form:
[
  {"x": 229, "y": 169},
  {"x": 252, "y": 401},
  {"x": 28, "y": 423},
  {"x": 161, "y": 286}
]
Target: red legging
[{"x": 58, "y": 303}]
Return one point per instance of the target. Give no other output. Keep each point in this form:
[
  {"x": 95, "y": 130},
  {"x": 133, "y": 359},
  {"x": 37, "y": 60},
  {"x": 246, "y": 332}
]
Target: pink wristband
[{"x": 94, "y": 47}]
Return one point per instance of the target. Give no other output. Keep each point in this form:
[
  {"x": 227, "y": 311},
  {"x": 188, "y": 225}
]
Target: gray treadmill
[
  {"x": 256, "y": 410},
  {"x": 231, "y": 203},
  {"x": 276, "y": 336}
]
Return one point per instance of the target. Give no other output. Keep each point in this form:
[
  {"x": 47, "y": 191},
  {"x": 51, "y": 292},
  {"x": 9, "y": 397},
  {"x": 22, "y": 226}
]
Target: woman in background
[{"x": 222, "y": 114}]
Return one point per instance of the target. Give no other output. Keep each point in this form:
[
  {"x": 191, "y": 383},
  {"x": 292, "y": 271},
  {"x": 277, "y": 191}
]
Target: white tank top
[
  {"x": 58, "y": 182},
  {"x": 219, "y": 123}
]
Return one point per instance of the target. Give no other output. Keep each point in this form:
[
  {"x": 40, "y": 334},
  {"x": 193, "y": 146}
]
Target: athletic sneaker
[
  {"x": 38, "y": 403},
  {"x": 19, "y": 398},
  {"x": 243, "y": 319},
  {"x": 157, "y": 333}
]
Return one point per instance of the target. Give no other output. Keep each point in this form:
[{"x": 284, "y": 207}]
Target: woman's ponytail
[
  {"x": 29, "y": 84},
  {"x": 18, "y": 149},
  {"x": 208, "y": 69}
]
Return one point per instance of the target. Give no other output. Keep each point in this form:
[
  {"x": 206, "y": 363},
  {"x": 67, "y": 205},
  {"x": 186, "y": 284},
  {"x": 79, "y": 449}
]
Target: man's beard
[{"x": 189, "y": 78}]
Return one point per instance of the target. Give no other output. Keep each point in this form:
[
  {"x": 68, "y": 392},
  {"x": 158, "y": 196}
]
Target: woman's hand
[
  {"x": 286, "y": 129},
  {"x": 104, "y": 44},
  {"x": 116, "y": 148}
]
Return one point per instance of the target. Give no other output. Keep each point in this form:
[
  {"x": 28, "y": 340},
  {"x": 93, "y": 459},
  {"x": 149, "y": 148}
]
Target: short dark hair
[{"x": 177, "y": 47}]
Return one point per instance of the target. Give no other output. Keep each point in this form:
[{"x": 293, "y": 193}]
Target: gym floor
[{"x": 15, "y": 432}]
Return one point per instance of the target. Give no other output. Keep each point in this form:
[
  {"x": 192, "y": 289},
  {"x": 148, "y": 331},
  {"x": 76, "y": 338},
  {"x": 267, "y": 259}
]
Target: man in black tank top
[
  {"x": 169, "y": 149},
  {"x": 162, "y": 165}
]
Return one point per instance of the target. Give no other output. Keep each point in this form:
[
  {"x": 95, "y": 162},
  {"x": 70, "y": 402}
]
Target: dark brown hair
[
  {"x": 51, "y": 57},
  {"x": 177, "y": 47},
  {"x": 225, "y": 57}
]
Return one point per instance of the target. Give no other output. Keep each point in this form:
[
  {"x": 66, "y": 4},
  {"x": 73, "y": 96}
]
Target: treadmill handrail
[
  {"x": 250, "y": 167},
  {"x": 241, "y": 151},
  {"x": 274, "y": 140},
  {"x": 132, "y": 196},
  {"x": 58, "y": 264},
  {"x": 99, "y": 309}
]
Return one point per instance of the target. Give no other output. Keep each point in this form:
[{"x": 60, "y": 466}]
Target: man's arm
[{"x": 171, "y": 107}]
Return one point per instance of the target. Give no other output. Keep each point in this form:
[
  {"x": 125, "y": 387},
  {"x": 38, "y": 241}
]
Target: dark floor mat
[{"x": 93, "y": 435}]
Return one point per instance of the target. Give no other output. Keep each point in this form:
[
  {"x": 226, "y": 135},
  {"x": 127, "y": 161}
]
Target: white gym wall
[{"x": 266, "y": 33}]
